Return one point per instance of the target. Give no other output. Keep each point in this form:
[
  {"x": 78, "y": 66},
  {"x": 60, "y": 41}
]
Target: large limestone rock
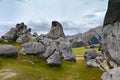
[
  {"x": 53, "y": 47},
  {"x": 90, "y": 54},
  {"x": 21, "y": 39},
  {"x": 111, "y": 42},
  {"x": 14, "y": 33},
  {"x": 8, "y": 51},
  {"x": 55, "y": 59},
  {"x": 113, "y": 12},
  {"x": 111, "y": 33},
  {"x": 11, "y": 35},
  {"x": 66, "y": 49},
  {"x": 113, "y": 74},
  {"x": 33, "y": 48},
  {"x": 56, "y": 31}
]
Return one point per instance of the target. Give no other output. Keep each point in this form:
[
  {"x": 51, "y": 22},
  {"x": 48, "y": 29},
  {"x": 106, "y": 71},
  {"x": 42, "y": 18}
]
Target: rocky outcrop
[
  {"x": 113, "y": 74},
  {"x": 8, "y": 51},
  {"x": 56, "y": 31},
  {"x": 53, "y": 47},
  {"x": 113, "y": 12},
  {"x": 111, "y": 37},
  {"x": 111, "y": 40},
  {"x": 14, "y": 33},
  {"x": 95, "y": 60}
]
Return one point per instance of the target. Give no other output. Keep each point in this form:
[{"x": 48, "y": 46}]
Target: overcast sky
[{"x": 76, "y": 16}]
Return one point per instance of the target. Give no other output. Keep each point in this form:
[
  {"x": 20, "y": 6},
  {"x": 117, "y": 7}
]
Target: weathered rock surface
[
  {"x": 92, "y": 63},
  {"x": 1, "y": 40},
  {"x": 90, "y": 54},
  {"x": 53, "y": 47},
  {"x": 21, "y": 39},
  {"x": 33, "y": 48},
  {"x": 14, "y": 33},
  {"x": 8, "y": 51},
  {"x": 56, "y": 31},
  {"x": 113, "y": 12},
  {"x": 95, "y": 60},
  {"x": 113, "y": 74},
  {"x": 55, "y": 59},
  {"x": 111, "y": 42}
]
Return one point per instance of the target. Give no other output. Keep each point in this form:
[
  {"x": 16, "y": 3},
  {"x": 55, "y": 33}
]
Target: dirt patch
[{"x": 7, "y": 73}]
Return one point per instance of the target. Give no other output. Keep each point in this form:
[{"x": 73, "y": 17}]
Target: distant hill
[{"x": 93, "y": 36}]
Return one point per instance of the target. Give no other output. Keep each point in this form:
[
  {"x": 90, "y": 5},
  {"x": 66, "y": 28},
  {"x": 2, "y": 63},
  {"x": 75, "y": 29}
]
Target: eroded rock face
[
  {"x": 21, "y": 39},
  {"x": 52, "y": 47},
  {"x": 111, "y": 42},
  {"x": 113, "y": 12},
  {"x": 8, "y": 51},
  {"x": 113, "y": 74},
  {"x": 55, "y": 59},
  {"x": 14, "y": 33},
  {"x": 56, "y": 31}
]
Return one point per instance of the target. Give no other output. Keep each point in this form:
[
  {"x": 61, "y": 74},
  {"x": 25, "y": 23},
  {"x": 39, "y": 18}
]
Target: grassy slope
[{"x": 41, "y": 71}]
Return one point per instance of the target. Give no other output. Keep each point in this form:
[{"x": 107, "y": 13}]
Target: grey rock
[
  {"x": 111, "y": 42},
  {"x": 21, "y": 39},
  {"x": 90, "y": 54},
  {"x": 14, "y": 33},
  {"x": 8, "y": 51},
  {"x": 56, "y": 31},
  {"x": 66, "y": 50},
  {"x": 55, "y": 59},
  {"x": 49, "y": 51},
  {"x": 92, "y": 63},
  {"x": 113, "y": 12},
  {"x": 10, "y": 35},
  {"x": 1, "y": 40},
  {"x": 113, "y": 74},
  {"x": 35, "y": 34},
  {"x": 33, "y": 48}
]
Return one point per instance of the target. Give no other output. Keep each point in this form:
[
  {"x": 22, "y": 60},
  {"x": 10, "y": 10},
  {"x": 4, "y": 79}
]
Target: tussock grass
[{"x": 41, "y": 71}]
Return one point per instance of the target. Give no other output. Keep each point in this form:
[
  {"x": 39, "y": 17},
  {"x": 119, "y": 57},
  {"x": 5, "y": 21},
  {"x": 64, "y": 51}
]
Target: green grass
[
  {"x": 80, "y": 51},
  {"x": 41, "y": 71}
]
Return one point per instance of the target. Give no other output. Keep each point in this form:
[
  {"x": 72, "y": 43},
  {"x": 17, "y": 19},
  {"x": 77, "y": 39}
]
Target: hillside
[{"x": 93, "y": 36}]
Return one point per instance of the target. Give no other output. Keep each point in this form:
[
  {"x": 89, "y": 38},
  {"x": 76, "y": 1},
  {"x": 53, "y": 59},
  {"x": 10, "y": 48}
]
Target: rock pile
[
  {"x": 17, "y": 33},
  {"x": 53, "y": 47},
  {"x": 95, "y": 60}
]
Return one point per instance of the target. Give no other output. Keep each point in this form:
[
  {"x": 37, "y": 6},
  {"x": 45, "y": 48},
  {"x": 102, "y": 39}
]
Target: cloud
[
  {"x": 89, "y": 16},
  {"x": 23, "y": 0}
]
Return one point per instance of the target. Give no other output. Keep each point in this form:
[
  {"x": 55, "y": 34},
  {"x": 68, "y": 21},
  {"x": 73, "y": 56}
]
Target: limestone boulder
[
  {"x": 33, "y": 48},
  {"x": 8, "y": 51},
  {"x": 56, "y": 31}
]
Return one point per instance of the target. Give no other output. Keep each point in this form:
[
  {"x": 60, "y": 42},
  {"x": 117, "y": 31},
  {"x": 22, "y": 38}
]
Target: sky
[{"x": 76, "y": 16}]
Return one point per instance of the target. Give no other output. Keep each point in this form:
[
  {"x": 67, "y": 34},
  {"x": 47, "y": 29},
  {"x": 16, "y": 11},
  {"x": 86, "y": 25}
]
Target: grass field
[{"x": 40, "y": 71}]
